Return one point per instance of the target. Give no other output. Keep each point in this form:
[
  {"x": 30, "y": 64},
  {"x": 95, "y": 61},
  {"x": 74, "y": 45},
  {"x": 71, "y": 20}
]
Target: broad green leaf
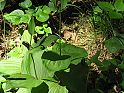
[
  {"x": 43, "y": 63},
  {"x": 64, "y": 4},
  {"x": 26, "y": 64},
  {"x": 121, "y": 66},
  {"x": 52, "y": 6},
  {"x": 17, "y": 12},
  {"x": 41, "y": 66},
  {"x": 46, "y": 9},
  {"x": 26, "y": 4},
  {"x": 22, "y": 81},
  {"x": 25, "y": 18},
  {"x": 2, "y": 4},
  {"x": 97, "y": 10},
  {"x": 54, "y": 2},
  {"x": 95, "y": 60},
  {"x": 76, "y": 79},
  {"x": 2, "y": 0},
  {"x": 43, "y": 88},
  {"x": 49, "y": 40},
  {"x": 32, "y": 64},
  {"x": 76, "y": 53},
  {"x": 31, "y": 26},
  {"x": 115, "y": 15},
  {"x": 119, "y": 5},
  {"x": 46, "y": 41},
  {"x": 56, "y": 88},
  {"x": 26, "y": 37},
  {"x": 46, "y": 67},
  {"x": 55, "y": 62},
  {"x": 41, "y": 16},
  {"x": 14, "y": 17},
  {"x": 30, "y": 11},
  {"x": 15, "y": 52},
  {"x": 10, "y": 66},
  {"x": 113, "y": 44},
  {"x": 2, "y": 79},
  {"x": 24, "y": 90},
  {"x": 39, "y": 30},
  {"x": 105, "y": 6}
]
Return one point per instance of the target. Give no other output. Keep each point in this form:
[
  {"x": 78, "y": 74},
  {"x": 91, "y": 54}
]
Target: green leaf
[
  {"x": 76, "y": 53},
  {"x": 25, "y": 18},
  {"x": 113, "y": 44},
  {"x": 43, "y": 63},
  {"x": 52, "y": 6},
  {"x": 30, "y": 11},
  {"x": 115, "y": 15},
  {"x": 24, "y": 90},
  {"x": 31, "y": 26},
  {"x": 56, "y": 88},
  {"x": 49, "y": 40},
  {"x": 10, "y": 66},
  {"x": 41, "y": 16},
  {"x": 75, "y": 78},
  {"x": 14, "y": 17},
  {"x": 2, "y": 79},
  {"x": 97, "y": 10},
  {"x": 2, "y": 0},
  {"x": 15, "y": 52},
  {"x": 39, "y": 30},
  {"x": 2, "y": 4},
  {"x": 26, "y": 4},
  {"x": 121, "y": 66},
  {"x": 105, "y": 6},
  {"x": 95, "y": 60},
  {"x": 48, "y": 31},
  {"x": 32, "y": 64},
  {"x": 26, "y": 37},
  {"x": 64, "y": 4},
  {"x": 46, "y": 9},
  {"x": 22, "y": 81},
  {"x": 55, "y": 62},
  {"x": 39, "y": 65},
  {"x": 26, "y": 64},
  {"x": 119, "y": 5}
]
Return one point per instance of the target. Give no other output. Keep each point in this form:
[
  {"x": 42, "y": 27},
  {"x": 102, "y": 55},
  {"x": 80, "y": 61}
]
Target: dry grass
[{"x": 87, "y": 38}]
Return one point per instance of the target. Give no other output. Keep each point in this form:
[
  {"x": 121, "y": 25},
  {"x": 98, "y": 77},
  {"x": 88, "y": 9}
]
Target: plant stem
[
  {"x": 34, "y": 67},
  {"x": 60, "y": 20}
]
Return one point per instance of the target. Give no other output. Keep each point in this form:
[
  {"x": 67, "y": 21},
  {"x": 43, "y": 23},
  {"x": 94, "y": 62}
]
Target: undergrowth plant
[
  {"x": 47, "y": 65},
  {"x": 111, "y": 70},
  {"x": 50, "y": 65},
  {"x": 104, "y": 14}
]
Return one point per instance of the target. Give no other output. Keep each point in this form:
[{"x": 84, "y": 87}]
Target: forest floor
[{"x": 85, "y": 36}]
